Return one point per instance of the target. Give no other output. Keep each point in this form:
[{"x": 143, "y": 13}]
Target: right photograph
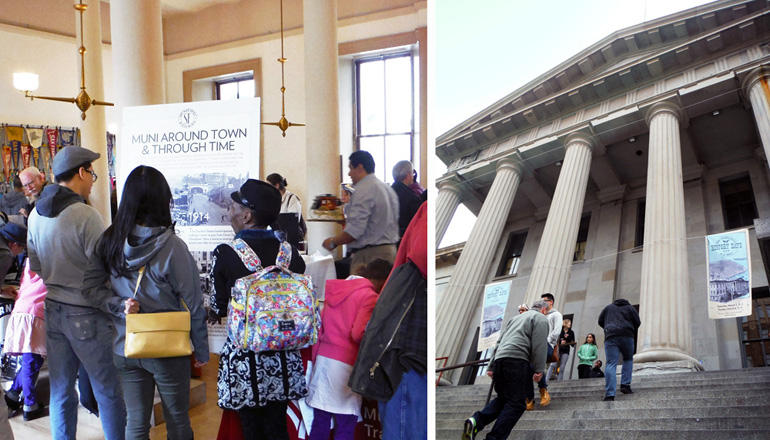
[{"x": 602, "y": 219}]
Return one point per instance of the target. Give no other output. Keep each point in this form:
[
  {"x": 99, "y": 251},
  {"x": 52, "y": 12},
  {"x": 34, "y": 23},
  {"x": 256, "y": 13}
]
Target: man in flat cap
[
  {"x": 63, "y": 231},
  {"x": 13, "y": 239}
]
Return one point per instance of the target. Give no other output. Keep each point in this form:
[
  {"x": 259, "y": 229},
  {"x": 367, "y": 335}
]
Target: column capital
[
  {"x": 753, "y": 77},
  {"x": 512, "y": 164},
  {"x": 584, "y": 138},
  {"x": 664, "y": 107},
  {"x": 449, "y": 185}
]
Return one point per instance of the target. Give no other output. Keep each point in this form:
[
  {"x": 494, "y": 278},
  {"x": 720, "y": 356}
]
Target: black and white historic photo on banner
[{"x": 729, "y": 272}]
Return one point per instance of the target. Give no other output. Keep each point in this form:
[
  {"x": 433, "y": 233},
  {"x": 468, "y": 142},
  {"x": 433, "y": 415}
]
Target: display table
[{"x": 320, "y": 268}]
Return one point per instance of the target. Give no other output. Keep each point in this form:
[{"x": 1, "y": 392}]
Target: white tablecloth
[{"x": 320, "y": 268}]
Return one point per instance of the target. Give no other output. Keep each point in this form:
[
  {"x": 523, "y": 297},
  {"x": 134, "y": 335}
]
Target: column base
[
  {"x": 663, "y": 356},
  {"x": 659, "y": 368}
]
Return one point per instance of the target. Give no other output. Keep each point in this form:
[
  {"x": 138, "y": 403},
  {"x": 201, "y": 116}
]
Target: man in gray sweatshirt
[
  {"x": 522, "y": 343},
  {"x": 63, "y": 231}
]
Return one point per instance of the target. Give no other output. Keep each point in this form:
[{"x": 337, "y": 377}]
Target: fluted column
[
  {"x": 756, "y": 87},
  {"x": 553, "y": 261},
  {"x": 456, "y": 311},
  {"x": 94, "y": 128},
  {"x": 447, "y": 201},
  {"x": 664, "y": 305},
  {"x": 322, "y": 110}
]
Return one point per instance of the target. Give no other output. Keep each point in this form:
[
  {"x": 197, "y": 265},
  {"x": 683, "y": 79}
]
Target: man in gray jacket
[
  {"x": 522, "y": 343},
  {"x": 63, "y": 231}
]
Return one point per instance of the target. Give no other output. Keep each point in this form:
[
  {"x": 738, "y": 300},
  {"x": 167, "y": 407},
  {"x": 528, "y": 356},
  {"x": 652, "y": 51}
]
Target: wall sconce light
[
  {"x": 558, "y": 163},
  {"x": 27, "y": 82},
  {"x": 632, "y": 139},
  {"x": 715, "y": 112}
]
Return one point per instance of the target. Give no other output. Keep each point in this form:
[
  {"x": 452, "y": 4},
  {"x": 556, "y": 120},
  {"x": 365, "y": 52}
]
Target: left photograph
[{"x": 214, "y": 220}]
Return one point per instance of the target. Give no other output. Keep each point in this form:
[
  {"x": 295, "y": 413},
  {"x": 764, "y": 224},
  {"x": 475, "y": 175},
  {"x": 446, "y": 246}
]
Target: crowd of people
[
  {"x": 527, "y": 343},
  {"x": 81, "y": 281}
]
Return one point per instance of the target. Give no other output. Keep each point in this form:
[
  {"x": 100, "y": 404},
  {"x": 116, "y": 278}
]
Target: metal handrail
[
  {"x": 466, "y": 364},
  {"x": 445, "y": 359}
]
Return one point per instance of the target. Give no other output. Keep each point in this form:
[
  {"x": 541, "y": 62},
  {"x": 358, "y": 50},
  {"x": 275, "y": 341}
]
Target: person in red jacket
[{"x": 349, "y": 305}]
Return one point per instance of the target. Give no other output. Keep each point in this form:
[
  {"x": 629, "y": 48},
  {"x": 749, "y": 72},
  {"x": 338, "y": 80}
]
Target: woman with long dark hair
[
  {"x": 142, "y": 235},
  {"x": 586, "y": 355}
]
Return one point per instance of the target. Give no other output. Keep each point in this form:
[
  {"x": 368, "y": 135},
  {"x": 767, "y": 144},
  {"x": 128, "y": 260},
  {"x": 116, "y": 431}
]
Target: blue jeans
[
  {"x": 513, "y": 381},
  {"x": 138, "y": 378},
  {"x": 614, "y": 346},
  {"x": 405, "y": 415},
  {"x": 84, "y": 335}
]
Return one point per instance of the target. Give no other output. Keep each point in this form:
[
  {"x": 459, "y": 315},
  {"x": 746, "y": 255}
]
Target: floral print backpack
[{"x": 272, "y": 308}]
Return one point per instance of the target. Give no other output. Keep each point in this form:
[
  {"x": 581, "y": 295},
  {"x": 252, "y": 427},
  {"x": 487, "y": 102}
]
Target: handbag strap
[{"x": 139, "y": 280}]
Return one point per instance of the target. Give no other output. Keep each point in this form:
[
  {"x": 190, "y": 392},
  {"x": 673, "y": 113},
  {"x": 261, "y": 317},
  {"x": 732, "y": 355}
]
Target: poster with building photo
[
  {"x": 729, "y": 274},
  {"x": 205, "y": 150},
  {"x": 492, "y": 314}
]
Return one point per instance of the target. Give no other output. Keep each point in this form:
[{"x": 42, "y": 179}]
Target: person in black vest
[{"x": 408, "y": 201}]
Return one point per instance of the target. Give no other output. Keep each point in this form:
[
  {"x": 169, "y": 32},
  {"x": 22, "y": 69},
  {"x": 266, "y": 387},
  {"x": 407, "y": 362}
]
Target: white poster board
[
  {"x": 492, "y": 314},
  {"x": 206, "y": 150},
  {"x": 729, "y": 274}
]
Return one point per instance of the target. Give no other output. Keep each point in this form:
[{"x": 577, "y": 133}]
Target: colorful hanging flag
[
  {"x": 7, "y": 163},
  {"x": 35, "y": 137},
  {"x": 25, "y": 153},
  {"x": 67, "y": 137},
  {"x": 15, "y": 136},
  {"x": 52, "y": 136}
]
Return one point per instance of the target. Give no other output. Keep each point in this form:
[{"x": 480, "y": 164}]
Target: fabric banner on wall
[
  {"x": 729, "y": 274},
  {"x": 492, "y": 314}
]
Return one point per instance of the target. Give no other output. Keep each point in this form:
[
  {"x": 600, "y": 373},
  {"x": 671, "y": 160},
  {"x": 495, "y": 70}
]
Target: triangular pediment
[{"x": 622, "y": 61}]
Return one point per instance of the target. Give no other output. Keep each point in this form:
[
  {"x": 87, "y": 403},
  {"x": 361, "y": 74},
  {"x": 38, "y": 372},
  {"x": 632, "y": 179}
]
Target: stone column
[
  {"x": 447, "y": 201},
  {"x": 322, "y": 106},
  {"x": 665, "y": 287},
  {"x": 553, "y": 262},
  {"x": 455, "y": 312},
  {"x": 137, "y": 52},
  {"x": 94, "y": 128},
  {"x": 756, "y": 87}
]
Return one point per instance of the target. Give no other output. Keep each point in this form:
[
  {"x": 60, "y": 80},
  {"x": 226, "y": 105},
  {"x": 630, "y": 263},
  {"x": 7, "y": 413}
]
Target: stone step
[
  {"x": 621, "y": 414},
  {"x": 557, "y": 434},
  {"x": 635, "y": 424}
]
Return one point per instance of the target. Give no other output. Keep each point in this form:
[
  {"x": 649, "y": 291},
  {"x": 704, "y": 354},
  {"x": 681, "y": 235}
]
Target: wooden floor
[{"x": 204, "y": 418}]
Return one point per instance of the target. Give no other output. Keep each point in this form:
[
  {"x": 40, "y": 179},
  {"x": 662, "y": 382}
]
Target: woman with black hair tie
[{"x": 142, "y": 236}]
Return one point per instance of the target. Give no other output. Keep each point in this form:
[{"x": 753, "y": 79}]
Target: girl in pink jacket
[{"x": 348, "y": 307}]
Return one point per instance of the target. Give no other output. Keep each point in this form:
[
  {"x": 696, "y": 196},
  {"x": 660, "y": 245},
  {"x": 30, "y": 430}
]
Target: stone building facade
[{"x": 600, "y": 179}]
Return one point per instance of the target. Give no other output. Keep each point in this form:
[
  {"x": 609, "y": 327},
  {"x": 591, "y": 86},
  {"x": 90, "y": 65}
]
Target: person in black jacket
[
  {"x": 620, "y": 321},
  {"x": 408, "y": 201},
  {"x": 247, "y": 380},
  {"x": 596, "y": 370}
]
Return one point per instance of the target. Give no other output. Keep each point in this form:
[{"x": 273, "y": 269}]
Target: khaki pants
[{"x": 360, "y": 257}]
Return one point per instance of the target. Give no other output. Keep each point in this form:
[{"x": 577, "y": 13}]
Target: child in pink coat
[{"x": 348, "y": 307}]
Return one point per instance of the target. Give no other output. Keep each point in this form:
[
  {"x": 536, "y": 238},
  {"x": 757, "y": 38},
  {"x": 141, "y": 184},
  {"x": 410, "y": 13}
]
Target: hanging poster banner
[
  {"x": 729, "y": 272},
  {"x": 206, "y": 150},
  {"x": 492, "y": 314}
]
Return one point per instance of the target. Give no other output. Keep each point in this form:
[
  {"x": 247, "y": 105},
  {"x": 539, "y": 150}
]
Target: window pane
[
  {"x": 397, "y": 148},
  {"x": 246, "y": 89},
  {"x": 372, "y": 105},
  {"x": 228, "y": 91},
  {"x": 375, "y": 147},
  {"x": 398, "y": 87}
]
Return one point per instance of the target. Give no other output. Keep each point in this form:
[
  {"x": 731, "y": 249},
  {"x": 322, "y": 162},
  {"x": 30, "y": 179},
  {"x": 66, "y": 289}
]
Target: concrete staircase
[{"x": 731, "y": 404}]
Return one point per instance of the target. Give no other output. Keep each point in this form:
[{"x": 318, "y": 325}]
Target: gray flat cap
[{"x": 69, "y": 157}]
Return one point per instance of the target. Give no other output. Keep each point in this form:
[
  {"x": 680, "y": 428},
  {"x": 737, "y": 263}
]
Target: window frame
[
  {"x": 234, "y": 79},
  {"x": 582, "y": 245},
  {"x": 413, "y": 56},
  {"x": 732, "y": 180},
  {"x": 507, "y": 253}
]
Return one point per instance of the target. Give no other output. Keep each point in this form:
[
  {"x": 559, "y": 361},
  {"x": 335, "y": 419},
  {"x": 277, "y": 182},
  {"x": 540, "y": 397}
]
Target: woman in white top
[{"x": 289, "y": 200}]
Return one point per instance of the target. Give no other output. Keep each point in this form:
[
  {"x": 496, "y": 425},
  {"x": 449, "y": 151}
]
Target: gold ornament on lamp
[
  {"x": 27, "y": 82},
  {"x": 283, "y": 123}
]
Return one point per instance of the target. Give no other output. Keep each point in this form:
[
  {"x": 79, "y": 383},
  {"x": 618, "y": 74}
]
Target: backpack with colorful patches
[{"x": 272, "y": 308}]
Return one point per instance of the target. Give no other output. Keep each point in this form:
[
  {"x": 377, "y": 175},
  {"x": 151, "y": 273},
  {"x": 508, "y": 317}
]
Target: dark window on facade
[
  {"x": 639, "y": 238},
  {"x": 738, "y": 206},
  {"x": 386, "y": 87},
  {"x": 582, "y": 238},
  {"x": 509, "y": 264},
  {"x": 236, "y": 87}
]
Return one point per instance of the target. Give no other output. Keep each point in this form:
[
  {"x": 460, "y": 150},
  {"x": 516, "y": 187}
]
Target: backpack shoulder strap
[
  {"x": 247, "y": 254},
  {"x": 283, "y": 258}
]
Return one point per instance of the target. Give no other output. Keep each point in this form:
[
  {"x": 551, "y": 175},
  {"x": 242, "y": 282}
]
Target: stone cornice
[{"x": 513, "y": 114}]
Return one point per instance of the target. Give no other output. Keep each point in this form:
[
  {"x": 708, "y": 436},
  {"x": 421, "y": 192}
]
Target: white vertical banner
[
  {"x": 492, "y": 314},
  {"x": 206, "y": 150},
  {"x": 729, "y": 274}
]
